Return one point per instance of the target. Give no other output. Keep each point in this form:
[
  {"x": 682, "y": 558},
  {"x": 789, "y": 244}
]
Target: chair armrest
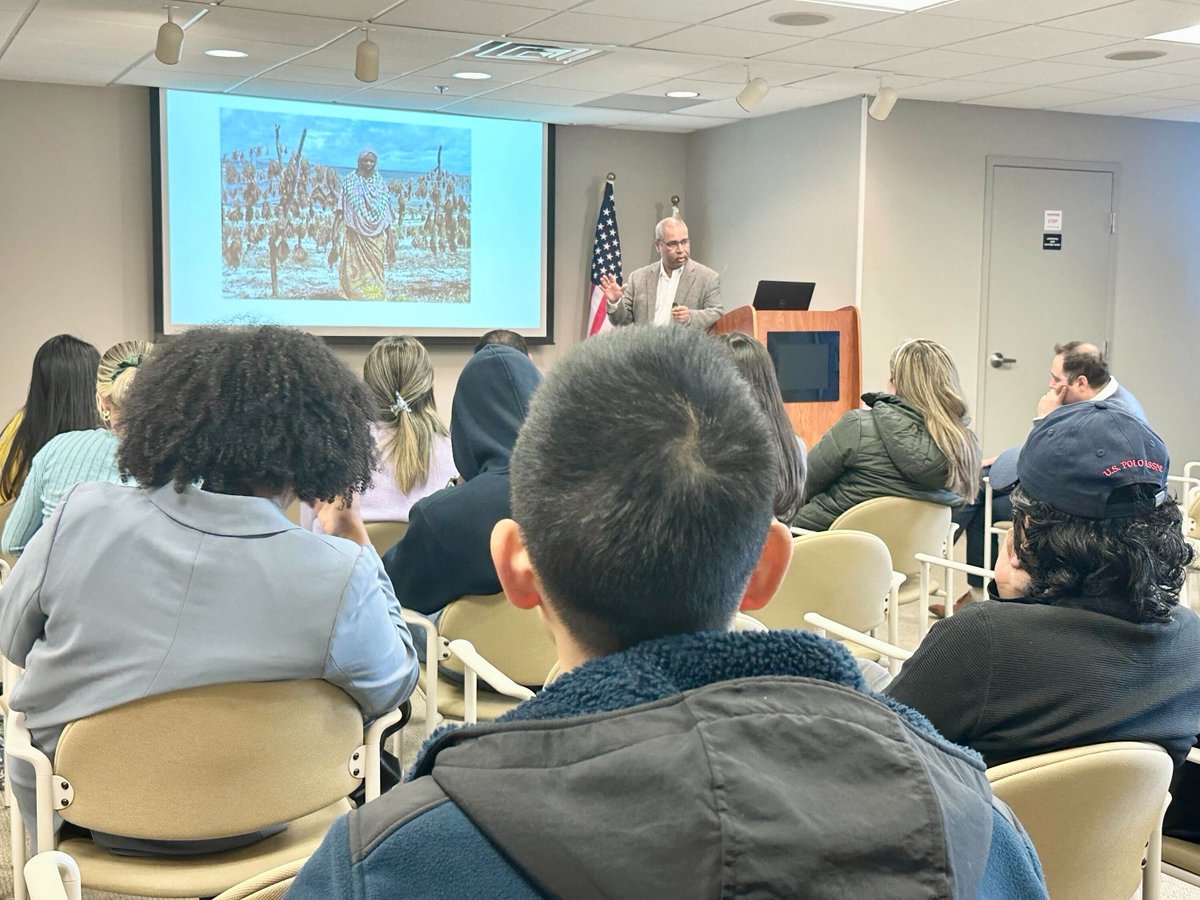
[
  {"x": 4, "y": 570},
  {"x": 373, "y": 747},
  {"x": 52, "y": 875},
  {"x": 797, "y": 531},
  {"x": 496, "y": 679},
  {"x": 19, "y": 745},
  {"x": 955, "y": 565},
  {"x": 435, "y": 652},
  {"x": 846, "y": 633},
  {"x": 1194, "y": 755},
  {"x": 1189, "y": 468},
  {"x": 743, "y": 622}
]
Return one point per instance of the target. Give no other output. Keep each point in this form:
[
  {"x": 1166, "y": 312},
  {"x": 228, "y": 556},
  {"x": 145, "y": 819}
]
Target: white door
[{"x": 1050, "y": 242}]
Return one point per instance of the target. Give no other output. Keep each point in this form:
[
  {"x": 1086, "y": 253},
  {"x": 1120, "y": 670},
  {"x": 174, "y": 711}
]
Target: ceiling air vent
[{"x": 525, "y": 51}]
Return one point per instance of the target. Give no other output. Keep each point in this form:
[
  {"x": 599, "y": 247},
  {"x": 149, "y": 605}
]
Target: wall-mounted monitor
[{"x": 351, "y": 221}]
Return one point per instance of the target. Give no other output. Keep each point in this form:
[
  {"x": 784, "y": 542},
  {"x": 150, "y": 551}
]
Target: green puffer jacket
[{"x": 883, "y": 451}]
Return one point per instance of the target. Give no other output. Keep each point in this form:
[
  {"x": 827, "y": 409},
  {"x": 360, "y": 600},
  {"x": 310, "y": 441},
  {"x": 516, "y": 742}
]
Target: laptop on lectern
[{"x": 784, "y": 294}]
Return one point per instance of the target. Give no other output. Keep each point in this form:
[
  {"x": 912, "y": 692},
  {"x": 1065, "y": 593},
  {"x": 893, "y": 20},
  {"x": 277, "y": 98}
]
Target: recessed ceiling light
[
  {"x": 1189, "y": 35},
  {"x": 888, "y": 5},
  {"x": 801, "y": 20},
  {"x": 683, "y": 95},
  {"x": 1136, "y": 55},
  {"x": 226, "y": 54},
  {"x": 472, "y": 76}
]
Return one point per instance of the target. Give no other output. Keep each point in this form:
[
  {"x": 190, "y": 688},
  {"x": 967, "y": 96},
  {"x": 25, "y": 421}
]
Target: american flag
[{"x": 606, "y": 260}]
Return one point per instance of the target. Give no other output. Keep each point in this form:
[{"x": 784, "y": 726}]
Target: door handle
[{"x": 999, "y": 360}]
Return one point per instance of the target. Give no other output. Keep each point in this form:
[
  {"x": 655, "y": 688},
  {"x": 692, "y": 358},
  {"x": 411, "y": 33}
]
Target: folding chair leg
[{"x": 17, "y": 850}]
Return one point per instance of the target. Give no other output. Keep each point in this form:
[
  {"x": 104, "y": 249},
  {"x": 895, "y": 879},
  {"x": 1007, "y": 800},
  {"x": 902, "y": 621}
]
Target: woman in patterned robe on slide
[{"x": 366, "y": 208}]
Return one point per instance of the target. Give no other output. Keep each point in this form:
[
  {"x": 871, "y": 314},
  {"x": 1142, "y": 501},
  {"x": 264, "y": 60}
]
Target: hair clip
[{"x": 401, "y": 405}]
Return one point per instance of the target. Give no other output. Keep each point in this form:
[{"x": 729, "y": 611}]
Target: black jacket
[
  {"x": 445, "y": 553},
  {"x": 883, "y": 451}
]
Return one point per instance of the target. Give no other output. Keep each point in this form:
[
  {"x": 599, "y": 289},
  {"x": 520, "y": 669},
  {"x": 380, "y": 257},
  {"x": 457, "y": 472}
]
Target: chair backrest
[
  {"x": 513, "y": 640},
  {"x": 385, "y": 535},
  {"x": 210, "y": 761},
  {"x": 844, "y": 575},
  {"x": 908, "y": 527},
  {"x": 272, "y": 885},
  {"x": 1090, "y": 812}
]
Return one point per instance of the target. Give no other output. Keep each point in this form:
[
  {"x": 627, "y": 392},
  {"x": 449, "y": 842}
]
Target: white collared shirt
[
  {"x": 664, "y": 298},
  {"x": 1107, "y": 391}
]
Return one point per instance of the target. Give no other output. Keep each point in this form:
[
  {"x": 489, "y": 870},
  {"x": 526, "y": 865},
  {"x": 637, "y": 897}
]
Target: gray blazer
[{"x": 699, "y": 290}]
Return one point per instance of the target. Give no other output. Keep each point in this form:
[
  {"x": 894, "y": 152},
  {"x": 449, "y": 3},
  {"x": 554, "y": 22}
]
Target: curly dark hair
[
  {"x": 250, "y": 410},
  {"x": 1131, "y": 567}
]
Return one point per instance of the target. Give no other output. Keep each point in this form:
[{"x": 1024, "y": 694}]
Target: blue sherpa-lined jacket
[{"x": 702, "y": 765}]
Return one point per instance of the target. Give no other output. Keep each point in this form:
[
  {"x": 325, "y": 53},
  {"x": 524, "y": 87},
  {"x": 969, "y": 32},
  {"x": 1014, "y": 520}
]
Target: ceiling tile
[
  {"x": 347, "y": 10},
  {"x": 164, "y": 77},
  {"x": 291, "y": 90},
  {"x": 535, "y": 92},
  {"x": 1038, "y": 98},
  {"x": 709, "y": 90},
  {"x": 450, "y": 15},
  {"x": 1025, "y": 12},
  {"x": 1034, "y": 42},
  {"x": 397, "y": 99},
  {"x": 1134, "y": 19},
  {"x": 691, "y": 11},
  {"x": 722, "y": 41},
  {"x": 227, "y": 22},
  {"x": 1121, "y": 106},
  {"x": 944, "y": 64},
  {"x": 1040, "y": 73},
  {"x": 605, "y": 72},
  {"x": 37, "y": 49},
  {"x": 1189, "y": 67},
  {"x": 56, "y": 72},
  {"x": 757, "y": 17},
  {"x": 544, "y": 4},
  {"x": 502, "y": 72},
  {"x": 1135, "y": 81},
  {"x": 593, "y": 30},
  {"x": 859, "y": 81},
  {"x": 493, "y": 108},
  {"x": 776, "y": 73},
  {"x": 400, "y": 49},
  {"x": 1099, "y": 57},
  {"x": 315, "y": 75},
  {"x": 777, "y": 100},
  {"x": 836, "y": 52},
  {"x": 1186, "y": 94},
  {"x": 924, "y": 30},
  {"x": 951, "y": 91}
]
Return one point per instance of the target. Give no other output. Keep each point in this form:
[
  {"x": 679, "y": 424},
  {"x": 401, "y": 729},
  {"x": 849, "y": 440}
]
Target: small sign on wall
[
  {"x": 1051, "y": 241},
  {"x": 1052, "y": 220}
]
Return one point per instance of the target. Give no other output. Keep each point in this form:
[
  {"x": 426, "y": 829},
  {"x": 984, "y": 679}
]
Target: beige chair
[
  {"x": 385, "y": 535},
  {"x": 270, "y": 885},
  {"x": 845, "y": 575},
  {"x": 908, "y": 527},
  {"x": 1094, "y": 815},
  {"x": 52, "y": 875},
  {"x": 1180, "y": 858},
  {"x": 514, "y": 641},
  {"x": 1186, "y": 489},
  {"x": 197, "y": 764}
]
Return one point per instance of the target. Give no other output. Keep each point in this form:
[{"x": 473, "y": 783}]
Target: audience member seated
[
  {"x": 415, "y": 459},
  {"x": 77, "y": 456},
  {"x": 675, "y": 757},
  {"x": 62, "y": 397},
  {"x": 1078, "y": 374},
  {"x": 1086, "y": 642},
  {"x": 445, "y": 555},
  {"x": 754, "y": 364},
  {"x": 196, "y": 576},
  {"x": 912, "y": 441},
  {"x": 502, "y": 336}
]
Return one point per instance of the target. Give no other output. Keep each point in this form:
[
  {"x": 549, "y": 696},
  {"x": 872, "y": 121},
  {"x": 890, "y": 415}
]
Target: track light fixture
[
  {"x": 366, "y": 59},
  {"x": 881, "y": 106},
  {"x": 169, "y": 47},
  {"x": 752, "y": 94}
]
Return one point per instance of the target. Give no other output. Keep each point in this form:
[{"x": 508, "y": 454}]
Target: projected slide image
[{"x": 323, "y": 208}]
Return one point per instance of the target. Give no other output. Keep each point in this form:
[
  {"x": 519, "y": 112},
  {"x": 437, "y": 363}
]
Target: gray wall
[
  {"x": 76, "y": 231},
  {"x": 75, "y": 248},
  {"x": 926, "y": 170},
  {"x": 776, "y": 198}
]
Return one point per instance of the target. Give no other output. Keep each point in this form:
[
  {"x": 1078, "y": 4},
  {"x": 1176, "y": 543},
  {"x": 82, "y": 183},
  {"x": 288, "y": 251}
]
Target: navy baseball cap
[{"x": 1080, "y": 454}]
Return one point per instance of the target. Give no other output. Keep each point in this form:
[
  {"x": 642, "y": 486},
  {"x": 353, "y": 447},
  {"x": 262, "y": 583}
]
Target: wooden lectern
[{"x": 810, "y": 419}]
